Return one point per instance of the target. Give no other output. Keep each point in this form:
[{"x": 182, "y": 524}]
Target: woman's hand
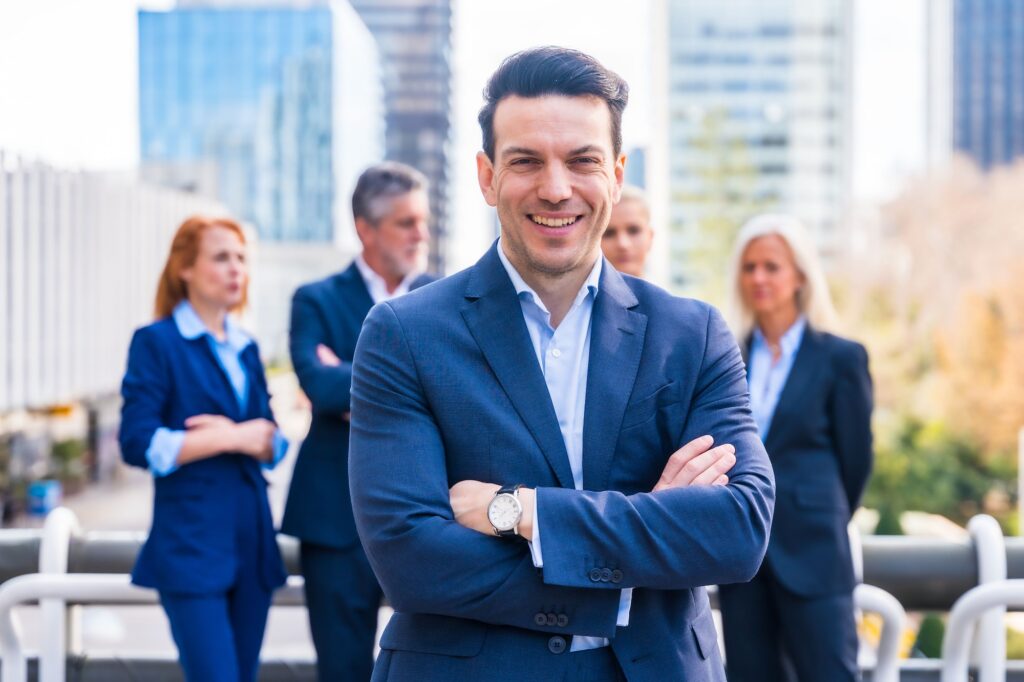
[{"x": 256, "y": 438}]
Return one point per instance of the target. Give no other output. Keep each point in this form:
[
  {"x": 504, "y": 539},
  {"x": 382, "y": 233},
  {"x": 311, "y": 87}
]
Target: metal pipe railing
[
  {"x": 990, "y": 641},
  {"x": 962, "y": 617}
]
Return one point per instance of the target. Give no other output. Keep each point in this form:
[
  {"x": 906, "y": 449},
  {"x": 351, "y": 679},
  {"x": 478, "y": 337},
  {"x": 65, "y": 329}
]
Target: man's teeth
[{"x": 553, "y": 222}]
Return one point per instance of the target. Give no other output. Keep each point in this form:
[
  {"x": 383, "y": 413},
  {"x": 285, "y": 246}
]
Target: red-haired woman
[{"x": 197, "y": 414}]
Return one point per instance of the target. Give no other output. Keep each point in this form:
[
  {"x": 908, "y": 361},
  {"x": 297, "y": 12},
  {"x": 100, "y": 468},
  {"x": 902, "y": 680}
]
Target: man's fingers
[
  {"x": 721, "y": 480},
  {"x": 723, "y": 461},
  {"x": 681, "y": 457}
]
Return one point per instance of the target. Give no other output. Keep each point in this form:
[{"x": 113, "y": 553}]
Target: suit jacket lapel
[
  {"x": 495, "y": 319},
  {"x": 616, "y": 344},
  {"x": 353, "y": 291},
  {"x": 213, "y": 379},
  {"x": 803, "y": 371}
]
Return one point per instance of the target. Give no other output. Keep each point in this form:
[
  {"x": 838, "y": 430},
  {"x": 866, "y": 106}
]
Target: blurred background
[{"x": 894, "y": 129}]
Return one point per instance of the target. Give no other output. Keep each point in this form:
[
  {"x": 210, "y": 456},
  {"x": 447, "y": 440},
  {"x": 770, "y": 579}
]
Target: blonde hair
[{"x": 812, "y": 299}]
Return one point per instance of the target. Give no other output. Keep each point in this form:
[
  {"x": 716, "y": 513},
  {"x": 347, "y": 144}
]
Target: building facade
[
  {"x": 758, "y": 114},
  {"x": 414, "y": 38},
  {"x": 274, "y": 109},
  {"x": 988, "y": 80}
]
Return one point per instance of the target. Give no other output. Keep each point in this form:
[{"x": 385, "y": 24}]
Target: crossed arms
[{"x": 673, "y": 538}]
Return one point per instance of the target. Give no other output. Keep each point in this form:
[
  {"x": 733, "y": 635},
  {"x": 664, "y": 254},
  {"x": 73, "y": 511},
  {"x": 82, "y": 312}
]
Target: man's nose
[
  {"x": 422, "y": 232},
  {"x": 555, "y": 185}
]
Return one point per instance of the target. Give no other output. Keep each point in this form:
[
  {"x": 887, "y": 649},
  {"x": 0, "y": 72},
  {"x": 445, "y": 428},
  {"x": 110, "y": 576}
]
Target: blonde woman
[{"x": 811, "y": 395}]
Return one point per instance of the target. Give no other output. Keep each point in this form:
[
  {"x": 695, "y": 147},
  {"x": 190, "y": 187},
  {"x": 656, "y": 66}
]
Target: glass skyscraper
[
  {"x": 275, "y": 110},
  {"x": 414, "y": 37},
  {"x": 988, "y": 80},
  {"x": 758, "y": 106}
]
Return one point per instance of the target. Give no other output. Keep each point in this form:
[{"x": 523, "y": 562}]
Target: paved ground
[{"x": 126, "y": 504}]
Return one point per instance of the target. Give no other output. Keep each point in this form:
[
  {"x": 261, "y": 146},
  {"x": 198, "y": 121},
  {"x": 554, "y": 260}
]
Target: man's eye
[
  {"x": 585, "y": 160},
  {"x": 521, "y": 162}
]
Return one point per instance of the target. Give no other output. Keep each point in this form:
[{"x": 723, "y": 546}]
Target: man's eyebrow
[
  {"x": 586, "y": 149},
  {"x": 518, "y": 150}
]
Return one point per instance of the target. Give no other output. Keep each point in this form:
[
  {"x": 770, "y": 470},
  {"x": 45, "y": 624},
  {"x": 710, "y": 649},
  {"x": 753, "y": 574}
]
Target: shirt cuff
[
  {"x": 280, "y": 450},
  {"x": 625, "y": 604},
  {"x": 535, "y": 553},
  {"x": 163, "y": 450}
]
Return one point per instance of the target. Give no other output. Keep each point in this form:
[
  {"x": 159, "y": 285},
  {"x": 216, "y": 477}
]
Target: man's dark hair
[
  {"x": 553, "y": 71},
  {"x": 381, "y": 182}
]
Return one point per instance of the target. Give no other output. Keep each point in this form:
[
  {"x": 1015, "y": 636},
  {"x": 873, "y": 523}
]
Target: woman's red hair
[{"x": 172, "y": 289}]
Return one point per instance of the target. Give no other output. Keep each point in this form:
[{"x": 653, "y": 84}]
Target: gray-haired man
[{"x": 391, "y": 214}]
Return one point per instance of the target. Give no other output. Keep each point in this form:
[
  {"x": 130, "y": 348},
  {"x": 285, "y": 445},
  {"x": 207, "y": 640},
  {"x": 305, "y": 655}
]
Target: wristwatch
[{"x": 505, "y": 511}]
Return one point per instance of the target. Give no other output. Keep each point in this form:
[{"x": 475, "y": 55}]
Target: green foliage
[
  {"x": 69, "y": 458},
  {"x": 924, "y": 467},
  {"x": 929, "y": 636}
]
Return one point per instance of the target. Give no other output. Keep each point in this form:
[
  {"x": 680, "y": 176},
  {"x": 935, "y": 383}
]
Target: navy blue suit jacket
[
  {"x": 819, "y": 442},
  {"x": 192, "y": 545},
  {"x": 329, "y": 312},
  {"x": 446, "y": 387}
]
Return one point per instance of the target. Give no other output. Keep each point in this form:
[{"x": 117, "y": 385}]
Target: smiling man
[{"x": 516, "y": 470}]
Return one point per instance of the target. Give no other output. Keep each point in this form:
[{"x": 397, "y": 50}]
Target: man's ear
[
  {"x": 620, "y": 176},
  {"x": 485, "y": 176},
  {"x": 363, "y": 230}
]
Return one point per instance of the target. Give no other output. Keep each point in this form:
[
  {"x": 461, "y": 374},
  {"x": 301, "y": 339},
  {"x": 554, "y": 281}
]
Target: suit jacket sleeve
[
  {"x": 144, "y": 390},
  {"x": 425, "y": 561},
  {"x": 683, "y": 537},
  {"x": 850, "y": 415},
  {"x": 328, "y": 388}
]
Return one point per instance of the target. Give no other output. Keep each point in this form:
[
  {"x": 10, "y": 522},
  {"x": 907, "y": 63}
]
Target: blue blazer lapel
[
  {"x": 212, "y": 379},
  {"x": 353, "y": 291},
  {"x": 803, "y": 371},
  {"x": 616, "y": 345},
  {"x": 495, "y": 319}
]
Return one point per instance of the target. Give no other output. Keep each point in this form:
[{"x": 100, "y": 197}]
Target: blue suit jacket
[
  {"x": 820, "y": 446},
  {"x": 191, "y": 547},
  {"x": 446, "y": 387},
  {"x": 331, "y": 312}
]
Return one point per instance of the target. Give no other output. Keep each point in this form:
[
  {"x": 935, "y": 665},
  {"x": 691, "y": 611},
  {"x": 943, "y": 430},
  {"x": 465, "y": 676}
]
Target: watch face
[{"x": 504, "y": 511}]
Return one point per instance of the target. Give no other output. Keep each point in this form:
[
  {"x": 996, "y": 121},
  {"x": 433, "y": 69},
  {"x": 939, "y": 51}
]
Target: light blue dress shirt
[
  {"x": 165, "y": 445},
  {"x": 767, "y": 377},
  {"x": 564, "y": 357}
]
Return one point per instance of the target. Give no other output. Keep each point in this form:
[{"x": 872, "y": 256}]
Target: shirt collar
[
  {"x": 790, "y": 341},
  {"x": 191, "y": 327},
  {"x": 377, "y": 286},
  {"x": 591, "y": 285}
]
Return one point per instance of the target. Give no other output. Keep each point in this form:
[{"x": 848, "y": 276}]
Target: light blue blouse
[{"x": 767, "y": 379}]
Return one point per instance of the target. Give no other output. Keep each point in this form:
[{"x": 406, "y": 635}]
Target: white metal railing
[
  {"x": 894, "y": 619},
  {"x": 990, "y": 640},
  {"x": 965, "y": 612}
]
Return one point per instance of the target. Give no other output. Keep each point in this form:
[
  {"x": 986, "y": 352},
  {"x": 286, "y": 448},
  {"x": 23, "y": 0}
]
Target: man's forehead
[{"x": 579, "y": 121}]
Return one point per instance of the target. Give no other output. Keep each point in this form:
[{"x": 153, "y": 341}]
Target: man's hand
[
  {"x": 469, "y": 500},
  {"x": 697, "y": 463},
  {"x": 326, "y": 356}
]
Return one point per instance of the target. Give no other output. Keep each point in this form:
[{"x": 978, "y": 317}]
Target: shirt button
[
  {"x": 556, "y": 644},
  {"x": 616, "y": 576},
  {"x": 540, "y": 619},
  {"x": 563, "y": 620},
  {"x": 552, "y": 619},
  {"x": 557, "y": 353},
  {"x": 606, "y": 575},
  {"x": 595, "y": 575}
]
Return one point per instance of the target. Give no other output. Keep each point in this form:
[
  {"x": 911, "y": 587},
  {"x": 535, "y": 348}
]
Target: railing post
[
  {"x": 894, "y": 619},
  {"x": 989, "y": 646},
  {"x": 968, "y": 608},
  {"x": 60, "y": 525}
]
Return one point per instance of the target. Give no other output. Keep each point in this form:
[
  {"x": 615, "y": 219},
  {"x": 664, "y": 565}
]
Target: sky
[{"x": 68, "y": 80}]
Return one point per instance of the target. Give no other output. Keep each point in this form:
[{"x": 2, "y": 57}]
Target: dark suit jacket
[
  {"x": 197, "y": 508},
  {"x": 446, "y": 387},
  {"x": 819, "y": 442},
  {"x": 330, "y": 312}
]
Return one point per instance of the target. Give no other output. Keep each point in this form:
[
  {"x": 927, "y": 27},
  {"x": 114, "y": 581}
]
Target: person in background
[
  {"x": 811, "y": 397},
  {"x": 196, "y": 413},
  {"x": 628, "y": 237},
  {"x": 391, "y": 212}
]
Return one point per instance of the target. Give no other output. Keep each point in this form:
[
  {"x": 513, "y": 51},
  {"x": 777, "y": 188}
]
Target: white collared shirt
[
  {"x": 564, "y": 357},
  {"x": 376, "y": 285}
]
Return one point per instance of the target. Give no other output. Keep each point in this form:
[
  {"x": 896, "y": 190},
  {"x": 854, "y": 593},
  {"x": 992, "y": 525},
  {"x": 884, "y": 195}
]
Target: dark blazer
[
  {"x": 191, "y": 547},
  {"x": 446, "y": 387},
  {"x": 331, "y": 312},
  {"x": 819, "y": 443}
]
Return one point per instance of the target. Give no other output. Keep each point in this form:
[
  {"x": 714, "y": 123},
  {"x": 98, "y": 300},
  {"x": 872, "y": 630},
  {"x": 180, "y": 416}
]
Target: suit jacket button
[
  {"x": 540, "y": 619},
  {"x": 616, "y": 576},
  {"x": 606, "y": 575},
  {"x": 552, "y": 619},
  {"x": 556, "y": 644},
  {"x": 595, "y": 575},
  {"x": 563, "y": 620}
]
